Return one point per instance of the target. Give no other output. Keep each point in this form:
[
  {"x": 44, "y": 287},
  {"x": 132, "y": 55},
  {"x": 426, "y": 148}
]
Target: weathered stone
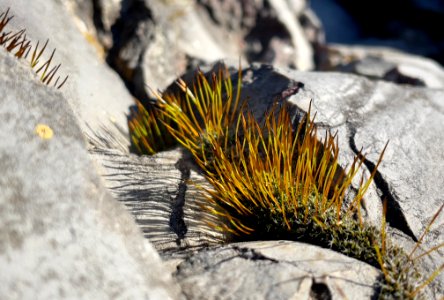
[
  {"x": 275, "y": 270},
  {"x": 95, "y": 18},
  {"x": 382, "y": 63},
  {"x": 158, "y": 191},
  {"x": 158, "y": 40},
  {"x": 96, "y": 94},
  {"x": 61, "y": 234},
  {"x": 91, "y": 238}
]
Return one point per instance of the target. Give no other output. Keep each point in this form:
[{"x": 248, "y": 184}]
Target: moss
[{"x": 276, "y": 180}]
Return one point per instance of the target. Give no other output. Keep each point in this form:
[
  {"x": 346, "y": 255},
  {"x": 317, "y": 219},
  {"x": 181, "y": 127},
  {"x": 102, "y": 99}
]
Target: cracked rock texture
[
  {"x": 61, "y": 231},
  {"x": 155, "y": 41},
  {"x": 62, "y": 236},
  {"x": 271, "y": 270},
  {"x": 157, "y": 191}
]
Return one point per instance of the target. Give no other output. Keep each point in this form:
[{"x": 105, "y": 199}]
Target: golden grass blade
[
  {"x": 427, "y": 281},
  {"x": 427, "y": 229},
  {"x": 5, "y": 19},
  {"x": 428, "y": 251},
  {"x": 36, "y": 55}
]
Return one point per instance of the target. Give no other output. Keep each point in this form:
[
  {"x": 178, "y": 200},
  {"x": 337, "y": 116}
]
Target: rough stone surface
[
  {"x": 275, "y": 270},
  {"x": 158, "y": 191},
  {"x": 95, "y": 93},
  {"x": 155, "y": 41},
  {"x": 61, "y": 234},
  {"x": 95, "y": 18},
  {"x": 382, "y": 63}
]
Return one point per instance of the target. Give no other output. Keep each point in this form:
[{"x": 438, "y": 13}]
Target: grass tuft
[
  {"x": 18, "y": 44},
  {"x": 147, "y": 126},
  {"x": 202, "y": 113},
  {"x": 277, "y": 180}
]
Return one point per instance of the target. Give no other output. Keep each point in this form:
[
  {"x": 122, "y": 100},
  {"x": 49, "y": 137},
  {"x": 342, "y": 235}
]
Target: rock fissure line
[
  {"x": 177, "y": 222},
  {"x": 394, "y": 217},
  {"x": 251, "y": 254}
]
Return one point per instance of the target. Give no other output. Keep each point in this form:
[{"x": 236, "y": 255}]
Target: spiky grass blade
[
  {"x": 277, "y": 167},
  {"x": 203, "y": 112},
  {"x": 19, "y": 43},
  {"x": 148, "y": 129},
  {"x": 435, "y": 216}
]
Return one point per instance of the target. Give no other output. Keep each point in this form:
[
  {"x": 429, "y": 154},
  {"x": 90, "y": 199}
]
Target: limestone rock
[
  {"x": 95, "y": 92},
  {"x": 159, "y": 40},
  {"x": 61, "y": 234},
  {"x": 384, "y": 64},
  {"x": 162, "y": 193},
  {"x": 95, "y": 18},
  {"x": 275, "y": 270}
]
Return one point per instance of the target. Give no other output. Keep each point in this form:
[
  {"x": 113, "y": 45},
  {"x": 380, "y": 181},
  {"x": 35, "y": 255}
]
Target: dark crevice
[
  {"x": 394, "y": 217},
  {"x": 251, "y": 254},
  {"x": 320, "y": 291},
  {"x": 131, "y": 34},
  {"x": 97, "y": 16},
  {"x": 177, "y": 222}
]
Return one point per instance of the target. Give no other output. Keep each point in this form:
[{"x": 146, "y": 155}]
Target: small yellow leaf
[{"x": 44, "y": 131}]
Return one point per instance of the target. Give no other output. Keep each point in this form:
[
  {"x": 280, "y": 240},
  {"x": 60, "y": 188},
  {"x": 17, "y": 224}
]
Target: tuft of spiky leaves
[
  {"x": 202, "y": 113},
  {"x": 147, "y": 128},
  {"x": 191, "y": 117},
  {"x": 281, "y": 169},
  {"x": 18, "y": 44},
  {"x": 276, "y": 180}
]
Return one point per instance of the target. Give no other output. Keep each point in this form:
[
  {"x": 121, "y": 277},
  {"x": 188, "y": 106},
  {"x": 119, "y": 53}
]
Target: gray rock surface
[
  {"x": 158, "y": 191},
  {"x": 62, "y": 236},
  {"x": 382, "y": 63},
  {"x": 95, "y": 18},
  {"x": 94, "y": 244},
  {"x": 95, "y": 92},
  {"x": 158, "y": 40},
  {"x": 275, "y": 270}
]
